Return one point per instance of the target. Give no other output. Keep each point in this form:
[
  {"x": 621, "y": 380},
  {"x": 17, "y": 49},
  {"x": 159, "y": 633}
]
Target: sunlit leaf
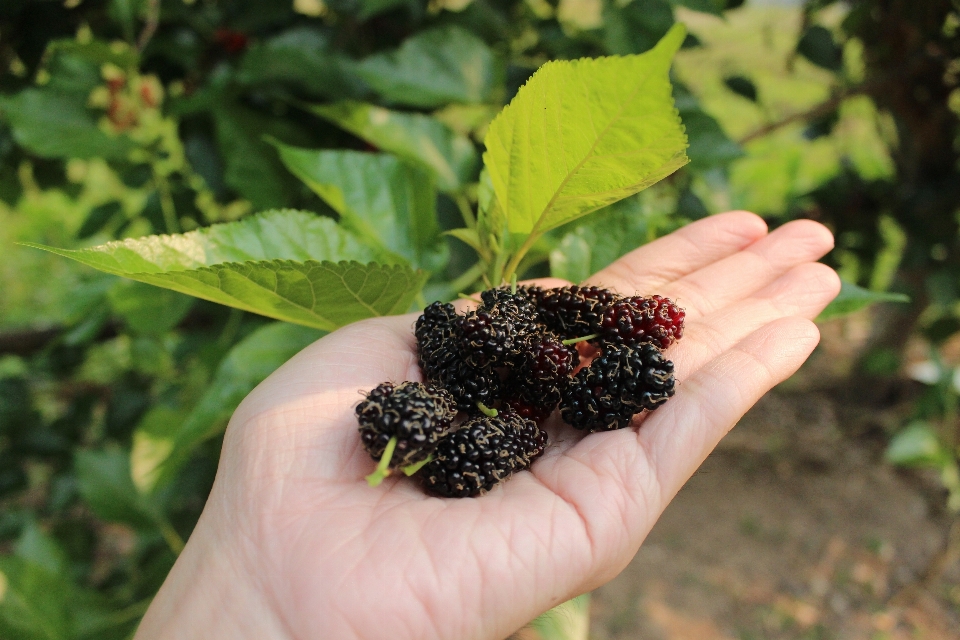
[
  {"x": 279, "y": 264},
  {"x": 411, "y": 136},
  {"x": 917, "y": 445},
  {"x": 383, "y": 200},
  {"x": 583, "y": 134},
  {"x": 853, "y": 298}
]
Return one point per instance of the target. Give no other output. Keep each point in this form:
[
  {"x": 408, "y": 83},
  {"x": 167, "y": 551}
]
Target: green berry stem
[
  {"x": 383, "y": 467},
  {"x": 581, "y": 339},
  {"x": 411, "y": 469},
  {"x": 513, "y": 284},
  {"x": 487, "y": 411}
]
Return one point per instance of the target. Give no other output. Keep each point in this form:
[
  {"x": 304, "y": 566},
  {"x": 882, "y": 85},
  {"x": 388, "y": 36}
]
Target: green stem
[
  {"x": 166, "y": 204},
  {"x": 466, "y": 212},
  {"x": 383, "y": 468},
  {"x": 513, "y": 284},
  {"x": 411, "y": 469},
  {"x": 581, "y": 339},
  {"x": 170, "y": 535},
  {"x": 467, "y": 278},
  {"x": 487, "y": 411},
  {"x": 231, "y": 327},
  {"x": 511, "y": 267}
]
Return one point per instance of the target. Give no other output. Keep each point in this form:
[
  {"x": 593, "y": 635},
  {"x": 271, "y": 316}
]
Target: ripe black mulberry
[
  {"x": 415, "y": 414},
  {"x": 481, "y": 453},
  {"x": 620, "y": 383},
  {"x": 575, "y": 311}
]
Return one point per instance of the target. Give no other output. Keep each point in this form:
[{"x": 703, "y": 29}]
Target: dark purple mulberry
[
  {"x": 574, "y": 312},
  {"x": 544, "y": 373},
  {"x": 620, "y": 383},
  {"x": 498, "y": 332},
  {"x": 415, "y": 414},
  {"x": 442, "y": 359},
  {"x": 481, "y": 453},
  {"x": 642, "y": 320}
]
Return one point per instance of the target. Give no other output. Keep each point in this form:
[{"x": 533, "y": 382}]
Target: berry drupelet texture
[
  {"x": 497, "y": 333},
  {"x": 528, "y": 410},
  {"x": 575, "y": 311},
  {"x": 545, "y": 372},
  {"x": 415, "y": 414},
  {"x": 620, "y": 383},
  {"x": 642, "y": 320},
  {"x": 439, "y": 333},
  {"x": 481, "y": 453}
]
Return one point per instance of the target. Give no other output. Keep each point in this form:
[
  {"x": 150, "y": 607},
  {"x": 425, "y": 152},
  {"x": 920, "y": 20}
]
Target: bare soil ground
[{"x": 795, "y": 528}]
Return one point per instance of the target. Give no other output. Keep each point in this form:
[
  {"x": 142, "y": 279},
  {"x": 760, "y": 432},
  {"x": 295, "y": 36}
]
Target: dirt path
[{"x": 789, "y": 530}]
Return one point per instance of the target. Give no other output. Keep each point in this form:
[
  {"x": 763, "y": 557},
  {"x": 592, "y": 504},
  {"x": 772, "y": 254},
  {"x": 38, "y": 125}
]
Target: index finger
[{"x": 682, "y": 252}]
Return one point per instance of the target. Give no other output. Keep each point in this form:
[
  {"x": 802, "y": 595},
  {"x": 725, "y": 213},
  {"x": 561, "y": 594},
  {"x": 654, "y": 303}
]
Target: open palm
[{"x": 294, "y": 544}]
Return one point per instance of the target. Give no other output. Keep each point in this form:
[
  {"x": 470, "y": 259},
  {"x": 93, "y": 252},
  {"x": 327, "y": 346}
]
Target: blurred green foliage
[{"x": 123, "y": 118}]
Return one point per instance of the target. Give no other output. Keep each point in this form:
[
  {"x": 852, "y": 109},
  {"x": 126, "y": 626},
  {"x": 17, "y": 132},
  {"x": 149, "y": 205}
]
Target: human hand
[{"x": 293, "y": 543}]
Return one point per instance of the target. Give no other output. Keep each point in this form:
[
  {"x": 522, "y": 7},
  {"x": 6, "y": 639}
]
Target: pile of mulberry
[{"x": 495, "y": 374}]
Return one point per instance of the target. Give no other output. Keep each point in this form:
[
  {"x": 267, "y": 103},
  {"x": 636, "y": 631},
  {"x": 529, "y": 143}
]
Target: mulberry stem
[
  {"x": 411, "y": 469},
  {"x": 383, "y": 467},
  {"x": 582, "y": 339},
  {"x": 487, "y": 411}
]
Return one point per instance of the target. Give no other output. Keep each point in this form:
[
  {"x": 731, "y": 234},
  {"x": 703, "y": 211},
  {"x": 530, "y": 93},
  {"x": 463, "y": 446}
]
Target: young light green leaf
[
  {"x": 324, "y": 295},
  {"x": 283, "y": 234},
  {"x": 235, "y": 264},
  {"x": 387, "y": 202},
  {"x": 917, "y": 445},
  {"x": 853, "y": 298},
  {"x": 412, "y": 136},
  {"x": 596, "y": 241},
  {"x": 163, "y": 440},
  {"x": 583, "y": 134},
  {"x": 567, "y": 621},
  {"x": 469, "y": 237},
  {"x": 434, "y": 68},
  {"x": 571, "y": 258}
]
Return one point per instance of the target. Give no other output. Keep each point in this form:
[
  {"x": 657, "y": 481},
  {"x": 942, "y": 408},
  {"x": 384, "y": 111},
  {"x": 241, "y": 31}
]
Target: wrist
[{"x": 209, "y": 595}]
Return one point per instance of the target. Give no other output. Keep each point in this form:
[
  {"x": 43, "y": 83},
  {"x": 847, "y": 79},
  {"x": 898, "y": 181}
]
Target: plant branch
[
  {"x": 821, "y": 109},
  {"x": 150, "y": 28},
  {"x": 167, "y": 205}
]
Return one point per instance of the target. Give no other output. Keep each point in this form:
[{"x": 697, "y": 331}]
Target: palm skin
[{"x": 294, "y": 544}]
